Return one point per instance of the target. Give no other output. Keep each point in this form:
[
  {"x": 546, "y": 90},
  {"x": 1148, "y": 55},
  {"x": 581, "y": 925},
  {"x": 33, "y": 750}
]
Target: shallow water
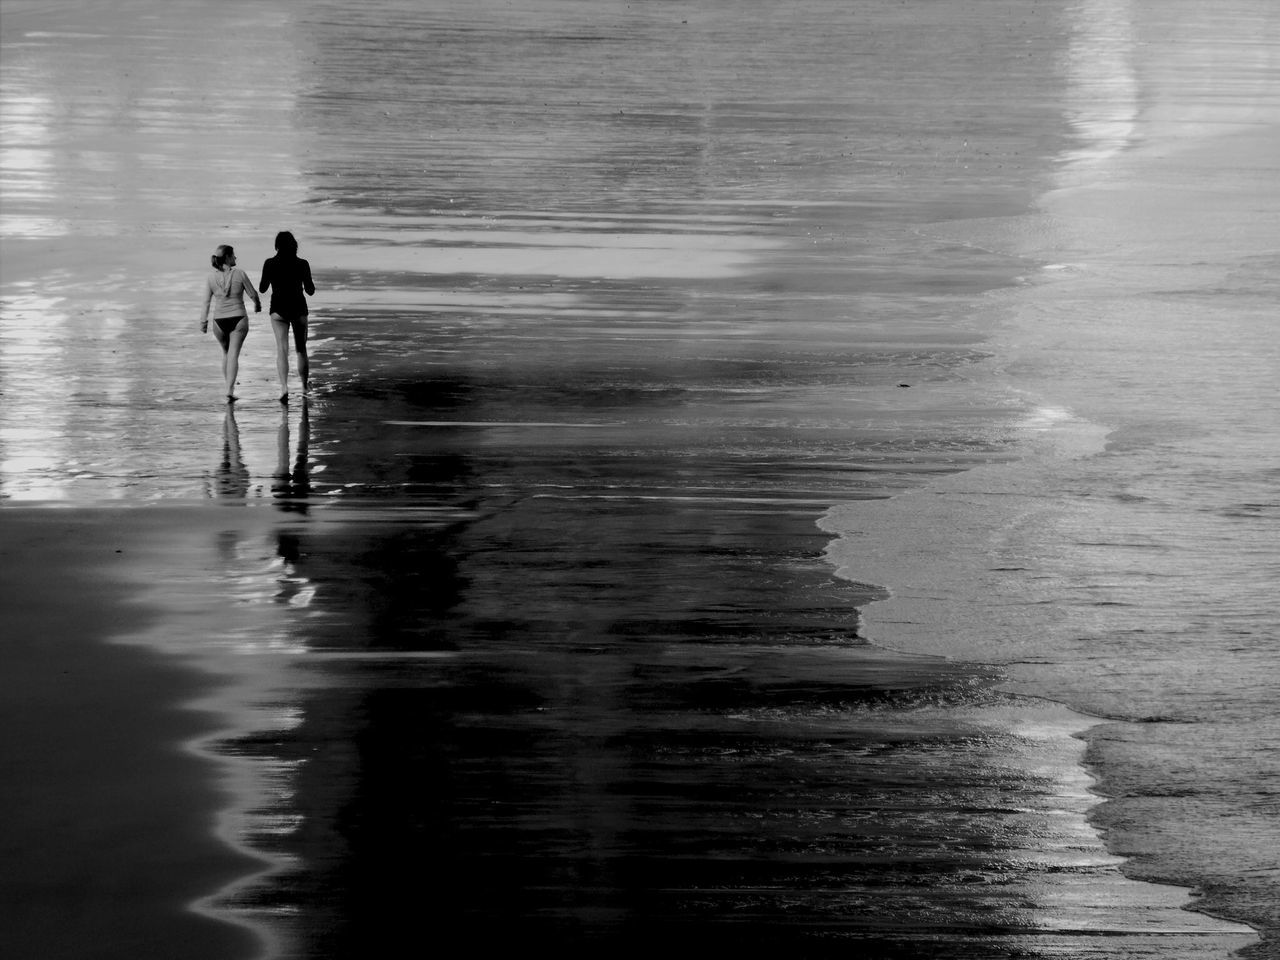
[
  {"x": 1135, "y": 580},
  {"x": 529, "y": 627}
]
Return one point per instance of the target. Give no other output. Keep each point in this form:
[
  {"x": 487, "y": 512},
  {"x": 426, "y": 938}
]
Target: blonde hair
[{"x": 219, "y": 257}]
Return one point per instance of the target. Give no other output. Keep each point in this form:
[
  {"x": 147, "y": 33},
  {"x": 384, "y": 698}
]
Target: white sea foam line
[{"x": 494, "y": 423}]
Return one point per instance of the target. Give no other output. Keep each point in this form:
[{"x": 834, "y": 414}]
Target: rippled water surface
[{"x": 652, "y": 343}]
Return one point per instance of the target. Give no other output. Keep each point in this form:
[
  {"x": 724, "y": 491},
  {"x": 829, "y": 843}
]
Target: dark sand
[{"x": 108, "y": 822}]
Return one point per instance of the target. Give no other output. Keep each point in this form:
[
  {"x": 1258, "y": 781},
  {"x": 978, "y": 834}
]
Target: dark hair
[
  {"x": 220, "y": 255},
  {"x": 286, "y": 244}
]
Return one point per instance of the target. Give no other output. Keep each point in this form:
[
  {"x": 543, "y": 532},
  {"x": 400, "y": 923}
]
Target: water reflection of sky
[
  {"x": 129, "y": 147},
  {"x": 1102, "y": 90},
  {"x": 145, "y": 117}
]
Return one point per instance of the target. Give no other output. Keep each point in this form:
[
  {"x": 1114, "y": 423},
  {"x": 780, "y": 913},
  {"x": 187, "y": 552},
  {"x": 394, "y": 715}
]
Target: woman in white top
[{"x": 225, "y": 290}]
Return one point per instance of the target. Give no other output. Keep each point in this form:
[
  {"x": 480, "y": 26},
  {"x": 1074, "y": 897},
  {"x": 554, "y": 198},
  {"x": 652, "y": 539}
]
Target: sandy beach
[{"x": 691, "y": 541}]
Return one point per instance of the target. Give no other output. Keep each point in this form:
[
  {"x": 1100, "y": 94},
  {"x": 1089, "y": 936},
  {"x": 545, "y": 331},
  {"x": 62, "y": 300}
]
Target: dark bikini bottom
[{"x": 227, "y": 324}]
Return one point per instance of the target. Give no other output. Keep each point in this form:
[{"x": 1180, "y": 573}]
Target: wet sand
[
  {"x": 108, "y": 821},
  {"x": 522, "y": 626},
  {"x": 546, "y": 772}
]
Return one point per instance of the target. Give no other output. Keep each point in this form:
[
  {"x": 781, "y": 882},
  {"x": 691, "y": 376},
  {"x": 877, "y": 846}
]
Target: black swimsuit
[
  {"x": 227, "y": 324},
  {"x": 287, "y": 277}
]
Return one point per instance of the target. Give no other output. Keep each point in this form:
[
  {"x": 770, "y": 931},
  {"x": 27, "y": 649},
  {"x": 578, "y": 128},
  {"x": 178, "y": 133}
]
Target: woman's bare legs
[
  {"x": 281, "y": 326},
  {"x": 300, "y": 344},
  {"x": 231, "y": 344}
]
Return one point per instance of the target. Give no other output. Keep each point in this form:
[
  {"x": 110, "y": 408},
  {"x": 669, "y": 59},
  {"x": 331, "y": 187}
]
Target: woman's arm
[
  {"x": 306, "y": 279},
  {"x": 265, "y": 282},
  {"x": 250, "y": 289},
  {"x": 204, "y": 309}
]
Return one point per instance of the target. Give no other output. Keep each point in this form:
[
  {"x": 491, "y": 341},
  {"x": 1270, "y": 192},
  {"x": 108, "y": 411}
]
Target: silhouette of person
[{"x": 288, "y": 277}]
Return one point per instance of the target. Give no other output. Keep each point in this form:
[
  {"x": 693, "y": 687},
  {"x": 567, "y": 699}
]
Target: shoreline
[
  {"x": 1118, "y": 230},
  {"x": 927, "y": 601}
]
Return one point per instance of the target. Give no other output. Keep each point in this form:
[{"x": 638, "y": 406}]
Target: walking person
[
  {"x": 288, "y": 277},
  {"x": 225, "y": 290}
]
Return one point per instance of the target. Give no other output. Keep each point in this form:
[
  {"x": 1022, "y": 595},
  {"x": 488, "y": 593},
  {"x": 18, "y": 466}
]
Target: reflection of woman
[
  {"x": 292, "y": 486},
  {"x": 225, "y": 289},
  {"x": 289, "y": 278},
  {"x": 232, "y": 478}
]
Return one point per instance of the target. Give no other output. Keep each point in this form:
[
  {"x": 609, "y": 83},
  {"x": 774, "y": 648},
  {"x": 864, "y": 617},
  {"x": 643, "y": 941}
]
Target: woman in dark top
[{"x": 289, "y": 278}]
